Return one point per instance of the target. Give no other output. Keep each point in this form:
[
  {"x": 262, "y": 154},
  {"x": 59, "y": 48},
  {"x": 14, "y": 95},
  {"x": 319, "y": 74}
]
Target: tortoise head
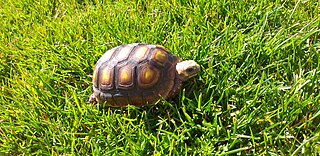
[{"x": 187, "y": 69}]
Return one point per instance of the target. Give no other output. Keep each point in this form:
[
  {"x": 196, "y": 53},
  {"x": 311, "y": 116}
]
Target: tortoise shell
[{"x": 135, "y": 74}]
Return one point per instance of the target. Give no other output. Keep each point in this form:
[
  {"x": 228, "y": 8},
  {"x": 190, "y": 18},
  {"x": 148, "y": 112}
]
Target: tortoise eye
[{"x": 190, "y": 70}]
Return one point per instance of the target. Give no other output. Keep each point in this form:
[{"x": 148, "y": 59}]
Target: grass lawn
[{"x": 258, "y": 91}]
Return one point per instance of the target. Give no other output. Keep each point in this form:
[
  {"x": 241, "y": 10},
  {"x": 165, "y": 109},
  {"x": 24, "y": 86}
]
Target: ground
[{"x": 257, "y": 93}]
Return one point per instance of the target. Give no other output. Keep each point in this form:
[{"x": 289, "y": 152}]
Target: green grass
[{"x": 257, "y": 93}]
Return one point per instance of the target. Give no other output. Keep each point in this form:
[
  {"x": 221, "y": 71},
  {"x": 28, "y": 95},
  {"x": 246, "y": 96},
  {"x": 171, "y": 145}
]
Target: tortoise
[{"x": 139, "y": 74}]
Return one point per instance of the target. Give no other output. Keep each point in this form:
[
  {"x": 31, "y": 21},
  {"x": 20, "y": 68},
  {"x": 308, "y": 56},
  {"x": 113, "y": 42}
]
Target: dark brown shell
[{"x": 135, "y": 74}]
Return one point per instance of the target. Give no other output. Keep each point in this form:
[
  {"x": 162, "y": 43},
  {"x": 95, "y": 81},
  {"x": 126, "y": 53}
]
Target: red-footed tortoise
[{"x": 139, "y": 74}]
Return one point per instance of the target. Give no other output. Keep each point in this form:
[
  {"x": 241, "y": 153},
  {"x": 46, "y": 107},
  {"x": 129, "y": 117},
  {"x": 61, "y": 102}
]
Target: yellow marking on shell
[
  {"x": 140, "y": 53},
  {"x": 106, "y": 78},
  {"x": 160, "y": 57},
  {"x": 125, "y": 76},
  {"x": 123, "y": 53},
  {"x": 148, "y": 76}
]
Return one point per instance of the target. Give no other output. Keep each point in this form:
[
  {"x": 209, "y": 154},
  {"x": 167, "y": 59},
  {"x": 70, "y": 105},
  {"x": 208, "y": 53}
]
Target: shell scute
[
  {"x": 148, "y": 76},
  {"x": 123, "y": 53},
  {"x": 160, "y": 57},
  {"x": 126, "y": 76},
  {"x": 140, "y": 54},
  {"x": 106, "y": 75}
]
